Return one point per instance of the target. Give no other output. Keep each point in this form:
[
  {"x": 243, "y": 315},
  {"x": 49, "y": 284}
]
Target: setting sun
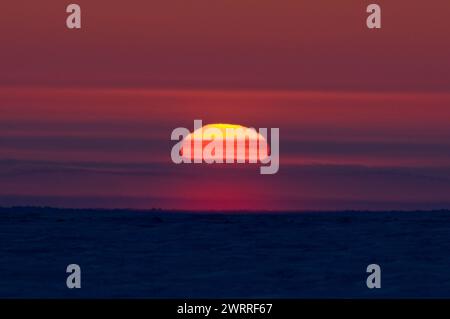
[{"x": 225, "y": 143}]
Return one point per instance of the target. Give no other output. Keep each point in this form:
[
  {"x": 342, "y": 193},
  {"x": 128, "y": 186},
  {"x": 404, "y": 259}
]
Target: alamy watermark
[{"x": 227, "y": 143}]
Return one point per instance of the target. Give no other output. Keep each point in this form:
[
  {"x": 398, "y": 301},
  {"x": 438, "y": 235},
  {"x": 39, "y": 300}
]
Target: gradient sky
[{"x": 86, "y": 115}]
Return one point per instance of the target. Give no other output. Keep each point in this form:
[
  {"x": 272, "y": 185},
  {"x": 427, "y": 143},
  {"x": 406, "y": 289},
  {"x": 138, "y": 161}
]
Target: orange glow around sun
[{"x": 227, "y": 143}]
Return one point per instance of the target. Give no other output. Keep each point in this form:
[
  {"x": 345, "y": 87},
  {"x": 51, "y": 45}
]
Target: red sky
[{"x": 86, "y": 115}]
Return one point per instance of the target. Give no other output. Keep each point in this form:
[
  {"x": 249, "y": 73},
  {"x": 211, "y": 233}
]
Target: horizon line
[{"x": 226, "y": 211}]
